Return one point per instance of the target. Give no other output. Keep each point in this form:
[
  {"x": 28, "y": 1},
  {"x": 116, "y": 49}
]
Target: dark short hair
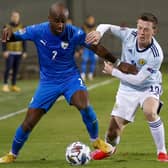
[{"x": 149, "y": 17}]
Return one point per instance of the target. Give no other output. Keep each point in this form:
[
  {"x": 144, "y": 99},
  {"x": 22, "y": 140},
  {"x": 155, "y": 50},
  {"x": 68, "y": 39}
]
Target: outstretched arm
[
  {"x": 93, "y": 39},
  {"x": 7, "y": 35},
  {"x": 136, "y": 79},
  {"x": 105, "y": 54},
  {"x": 27, "y": 33}
]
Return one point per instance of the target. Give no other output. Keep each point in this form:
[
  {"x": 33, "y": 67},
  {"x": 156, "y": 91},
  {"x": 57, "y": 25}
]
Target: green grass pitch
[{"x": 62, "y": 125}]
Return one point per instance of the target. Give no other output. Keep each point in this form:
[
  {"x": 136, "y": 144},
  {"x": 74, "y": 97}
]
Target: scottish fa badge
[
  {"x": 141, "y": 61},
  {"x": 64, "y": 45}
]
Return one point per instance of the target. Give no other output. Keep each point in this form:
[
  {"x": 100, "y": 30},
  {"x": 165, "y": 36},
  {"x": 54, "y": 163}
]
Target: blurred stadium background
[{"x": 105, "y": 11}]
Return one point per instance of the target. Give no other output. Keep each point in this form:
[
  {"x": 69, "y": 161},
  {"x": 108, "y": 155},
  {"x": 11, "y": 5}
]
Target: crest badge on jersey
[
  {"x": 141, "y": 61},
  {"x": 64, "y": 45}
]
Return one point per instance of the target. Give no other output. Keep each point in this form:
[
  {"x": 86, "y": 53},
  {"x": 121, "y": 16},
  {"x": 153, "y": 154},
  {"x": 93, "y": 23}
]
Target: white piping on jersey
[
  {"x": 154, "y": 50},
  {"x": 153, "y": 47},
  {"x": 134, "y": 33}
]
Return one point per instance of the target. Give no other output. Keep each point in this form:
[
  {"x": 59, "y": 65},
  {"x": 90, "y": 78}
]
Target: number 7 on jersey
[{"x": 54, "y": 54}]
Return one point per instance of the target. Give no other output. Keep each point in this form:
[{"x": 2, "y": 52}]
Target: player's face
[
  {"x": 145, "y": 32},
  {"x": 15, "y": 17},
  {"x": 57, "y": 23},
  {"x": 57, "y": 19}
]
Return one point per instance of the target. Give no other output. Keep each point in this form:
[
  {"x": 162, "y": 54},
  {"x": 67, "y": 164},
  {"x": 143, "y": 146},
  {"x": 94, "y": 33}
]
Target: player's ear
[{"x": 155, "y": 31}]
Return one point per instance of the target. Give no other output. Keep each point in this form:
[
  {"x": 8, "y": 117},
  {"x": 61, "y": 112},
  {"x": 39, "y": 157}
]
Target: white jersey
[{"x": 148, "y": 60}]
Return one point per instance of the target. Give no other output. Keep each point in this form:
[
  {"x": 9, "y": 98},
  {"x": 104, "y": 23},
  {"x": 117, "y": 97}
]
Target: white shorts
[{"x": 127, "y": 103}]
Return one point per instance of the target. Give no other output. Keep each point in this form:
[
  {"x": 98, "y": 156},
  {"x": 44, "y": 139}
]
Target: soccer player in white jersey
[{"x": 140, "y": 48}]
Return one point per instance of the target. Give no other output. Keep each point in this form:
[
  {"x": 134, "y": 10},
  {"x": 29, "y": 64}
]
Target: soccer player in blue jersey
[{"x": 56, "y": 42}]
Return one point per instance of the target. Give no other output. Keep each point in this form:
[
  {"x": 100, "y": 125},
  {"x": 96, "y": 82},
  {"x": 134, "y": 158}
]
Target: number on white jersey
[{"x": 156, "y": 89}]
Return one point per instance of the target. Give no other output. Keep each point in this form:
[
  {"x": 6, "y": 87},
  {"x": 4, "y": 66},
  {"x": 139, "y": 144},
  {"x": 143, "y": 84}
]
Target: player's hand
[
  {"x": 108, "y": 68},
  {"x": 127, "y": 68},
  {"x": 5, "y": 54},
  {"x": 24, "y": 55},
  {"x": 93, "y": 38},
  {"x": 6, "y": 34}
]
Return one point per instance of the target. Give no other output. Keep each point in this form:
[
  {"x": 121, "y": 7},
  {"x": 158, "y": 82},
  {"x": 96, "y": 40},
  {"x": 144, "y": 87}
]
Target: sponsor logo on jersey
[
  {"x": 64, "y": 45},
  {"x": 142, "y": 61},
  {"x": 150, "y": 70},
  {"x": 43, "y": 42},
  {"x": 133, "y": 62},
  {"x": 130, "y": 50}
]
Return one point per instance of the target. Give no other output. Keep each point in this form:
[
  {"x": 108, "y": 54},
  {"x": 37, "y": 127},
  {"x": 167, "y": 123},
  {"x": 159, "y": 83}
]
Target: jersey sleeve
[
  {"x": 81, "y": 36},
  {"x": 27, "y": 33},
  {"x": 118, "y": 31},
  {"x": 132, "y": 79},
  {"x": 151, "y": 67}
]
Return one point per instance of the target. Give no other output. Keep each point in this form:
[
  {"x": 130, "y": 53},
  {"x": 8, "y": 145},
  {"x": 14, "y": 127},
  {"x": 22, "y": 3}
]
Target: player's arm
[
  {"x": 8, "y": 35},
  {"x": 94, "y": 37},
  {"x": 136, "y": 79},
  {"x": 151, "y": 67},
  {"x": 27, "y": 33},
  {"x": 105, "y": 54}
]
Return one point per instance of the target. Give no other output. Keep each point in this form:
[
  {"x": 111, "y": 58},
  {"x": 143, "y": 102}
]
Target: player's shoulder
[
  {"x": 40, "y": 25},
  {"x": 132, "y": 32},
  {"x": 37, "y": 29},
  {"x": 74, "y": 32},
  {"x": 73, "y": 29},
  {"x": 43, "y": 24},
  {"x": 156, "y": 49}
]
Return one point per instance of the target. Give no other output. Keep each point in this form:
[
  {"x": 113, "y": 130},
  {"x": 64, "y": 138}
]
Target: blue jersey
[{"x": 55, "y": 52}]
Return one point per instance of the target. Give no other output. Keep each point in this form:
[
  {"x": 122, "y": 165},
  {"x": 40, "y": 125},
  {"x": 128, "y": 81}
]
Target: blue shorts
[{"x": 48, "y": 92}]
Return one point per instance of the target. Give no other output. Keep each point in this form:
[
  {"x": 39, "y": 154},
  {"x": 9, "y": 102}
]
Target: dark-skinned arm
[
  {"x": 105, "y": 54},
  {"x": 7, "y": 35}
]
